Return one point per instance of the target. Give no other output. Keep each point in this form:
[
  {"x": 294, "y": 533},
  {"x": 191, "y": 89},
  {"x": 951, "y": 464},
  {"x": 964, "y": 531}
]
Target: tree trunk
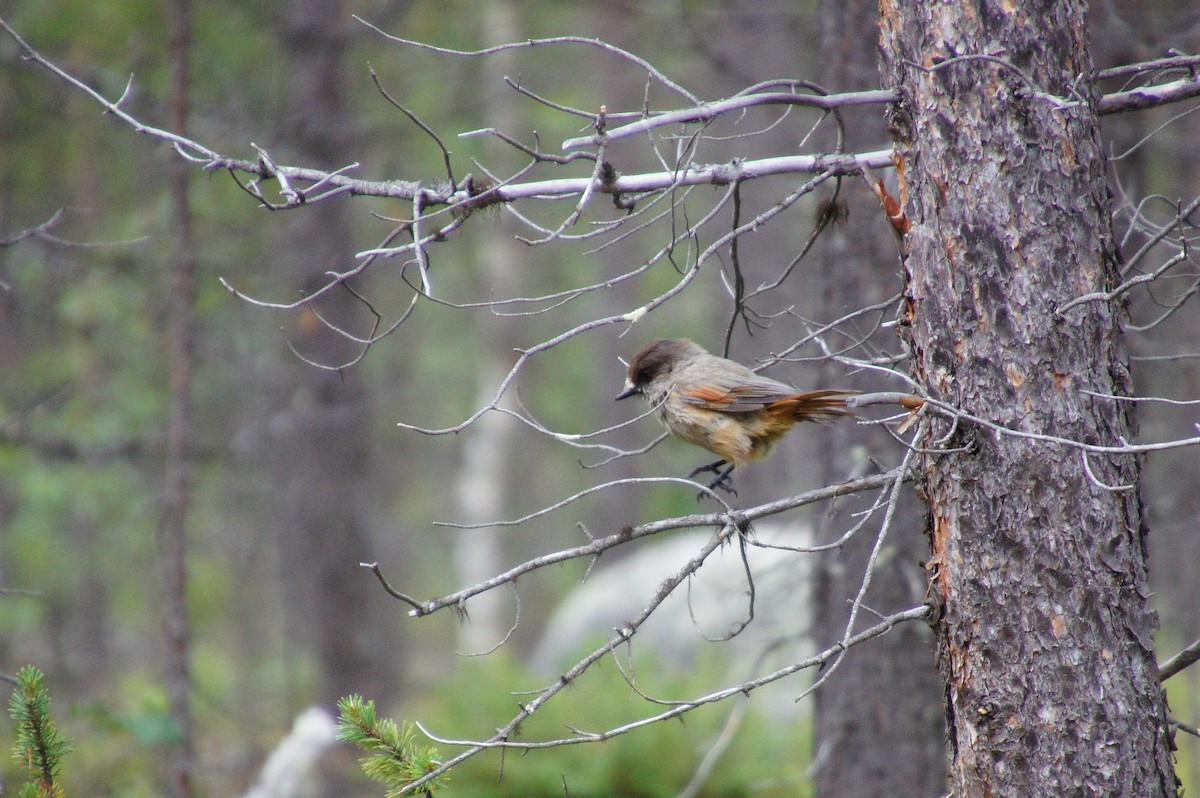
[
  {"x": 878, "y": 730},
  {"x": 1046, "y": 639},
  {"x": 177, "y": 468},
  {"x": 323, "y": 438},
  {"x": 488, "y": 445}
]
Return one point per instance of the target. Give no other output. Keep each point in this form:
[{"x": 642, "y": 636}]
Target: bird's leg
[
  {"x": 713, "y": 467},
  {"x": 722, "y": 469},
  {"x": 723, "y": 482}
]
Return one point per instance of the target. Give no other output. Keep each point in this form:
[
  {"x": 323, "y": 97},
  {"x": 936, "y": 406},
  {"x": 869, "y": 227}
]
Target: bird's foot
[
  {"x": 713, "y": 468},
  {"x": 722, "y": 469}
]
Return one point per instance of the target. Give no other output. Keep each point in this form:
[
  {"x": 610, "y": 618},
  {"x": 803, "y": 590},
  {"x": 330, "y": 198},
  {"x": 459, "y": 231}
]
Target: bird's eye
[{"x": 643, "y": 375}]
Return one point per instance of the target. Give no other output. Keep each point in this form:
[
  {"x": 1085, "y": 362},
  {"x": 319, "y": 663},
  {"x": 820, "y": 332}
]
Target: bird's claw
[{"x": 723, "y": 471}]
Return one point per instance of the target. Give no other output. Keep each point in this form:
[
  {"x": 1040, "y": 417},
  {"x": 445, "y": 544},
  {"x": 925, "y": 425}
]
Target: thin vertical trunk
[
  {"x": 181, "y": 343},
  {"x": 322, "y": 436},
  {"x": 1046, "y": 639},
  {"x": 487, "y": 446},
  {"x": 878, "y": 732}
]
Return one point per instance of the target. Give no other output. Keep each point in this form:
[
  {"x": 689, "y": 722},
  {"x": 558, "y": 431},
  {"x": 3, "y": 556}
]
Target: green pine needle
[
  {"x": 38, "y": 746},
  {"x": 395, "y": 760}
]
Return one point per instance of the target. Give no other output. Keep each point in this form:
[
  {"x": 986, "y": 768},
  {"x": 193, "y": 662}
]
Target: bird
[{"x": 721, "y": 405}]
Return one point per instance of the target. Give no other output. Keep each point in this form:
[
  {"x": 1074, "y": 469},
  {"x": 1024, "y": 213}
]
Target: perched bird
[{"x": 722, "y": 405}]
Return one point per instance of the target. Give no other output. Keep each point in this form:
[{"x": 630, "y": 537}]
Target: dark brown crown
[{"x": 658, "y": 358}]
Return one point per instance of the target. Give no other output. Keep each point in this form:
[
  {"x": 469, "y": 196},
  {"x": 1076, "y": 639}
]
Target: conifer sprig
[
  {"x": 39, "y": 746},
  {"x": 395, "y": 760}
]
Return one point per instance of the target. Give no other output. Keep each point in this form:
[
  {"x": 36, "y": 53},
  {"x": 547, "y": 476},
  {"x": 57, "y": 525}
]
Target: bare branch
[
  {"x": 710, "y": 174},
  {"x": 1144, "y": 250},
  {"x": 717, "y": 174},
  {"x": 1133, "y": 282},
  {"x": 374, "y": 568},
  {"x": 416, "y": 120},
  {"x": 1125, "y": 448},
  {"x": 1157, "y": 65},
  {"x": 884, "y": 527},
  {"x": 558, "y": 505},
  {"x": 1095, "y": 480},
  {"x": 623, "y": 634},
  {"x": 39, "y": 231},
  {"x": 734, "y": 518},
  {"x": 503, "y": 737},
  {"x": 566, "y": 109},
  {"x": 1177, "y": 663},
  {"x": 533, "y": 152},
  {"x": 906, "y": 400},
  {"x": 1185, "y": 728},
  {"x": 706, "y": 112},
  {"x": 575, "y": 439},
  {"x": 1149, "y": 96},
  {"x": 602, "y": 176},
  {"x": 605, "y": 46},
  {"x": 1144, "y": 399},
  {"x": 1171, "y": 309},
  {"x": 507, "y": 635}
]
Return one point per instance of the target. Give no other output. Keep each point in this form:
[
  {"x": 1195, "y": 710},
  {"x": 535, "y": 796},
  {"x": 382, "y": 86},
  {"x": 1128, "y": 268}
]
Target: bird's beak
[{"x": 630, "y": 390}]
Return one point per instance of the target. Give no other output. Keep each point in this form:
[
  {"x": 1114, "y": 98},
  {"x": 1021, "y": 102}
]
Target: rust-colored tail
[{"x": 813, "y": 405}]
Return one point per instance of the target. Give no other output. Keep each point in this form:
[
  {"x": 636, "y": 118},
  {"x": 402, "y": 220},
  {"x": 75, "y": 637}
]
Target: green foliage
[
  {"x": 395, "y": 760},
  {"x": 149, "y": 724},
  {"x": 38, "y": 744},
  {"x": 764, "y": 759}
]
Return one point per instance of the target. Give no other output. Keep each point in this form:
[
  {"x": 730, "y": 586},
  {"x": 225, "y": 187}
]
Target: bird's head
[{"x": 656, "y": 361}]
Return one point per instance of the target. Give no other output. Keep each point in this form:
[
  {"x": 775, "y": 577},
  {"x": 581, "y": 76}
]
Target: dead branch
[
  {"x": 504, "y": 737},
  {"x": 736, "y": 518}
]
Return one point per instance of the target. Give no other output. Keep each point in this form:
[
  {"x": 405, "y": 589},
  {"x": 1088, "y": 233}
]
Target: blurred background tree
[{"x": 301, "y": 473}]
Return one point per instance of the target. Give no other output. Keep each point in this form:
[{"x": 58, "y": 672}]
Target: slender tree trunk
[
  {"x": 878, "y": 730},
  {"x": 488, "y": 446},
  {"x": 181, "y": 343},
  {"x": 322, "y": 438},
  {"x": 1046, "y": 639}
]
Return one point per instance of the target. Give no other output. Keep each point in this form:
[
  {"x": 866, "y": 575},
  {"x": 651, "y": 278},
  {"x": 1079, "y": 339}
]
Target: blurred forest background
[{"x": 301, "y": 474}]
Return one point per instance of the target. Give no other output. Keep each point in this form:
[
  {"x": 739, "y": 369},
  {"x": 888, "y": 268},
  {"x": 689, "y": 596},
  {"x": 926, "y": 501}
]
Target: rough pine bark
[{"x": 1046, "y": 638}]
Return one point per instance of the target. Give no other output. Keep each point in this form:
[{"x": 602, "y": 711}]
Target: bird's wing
[{"x": 742, "y": 394}]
